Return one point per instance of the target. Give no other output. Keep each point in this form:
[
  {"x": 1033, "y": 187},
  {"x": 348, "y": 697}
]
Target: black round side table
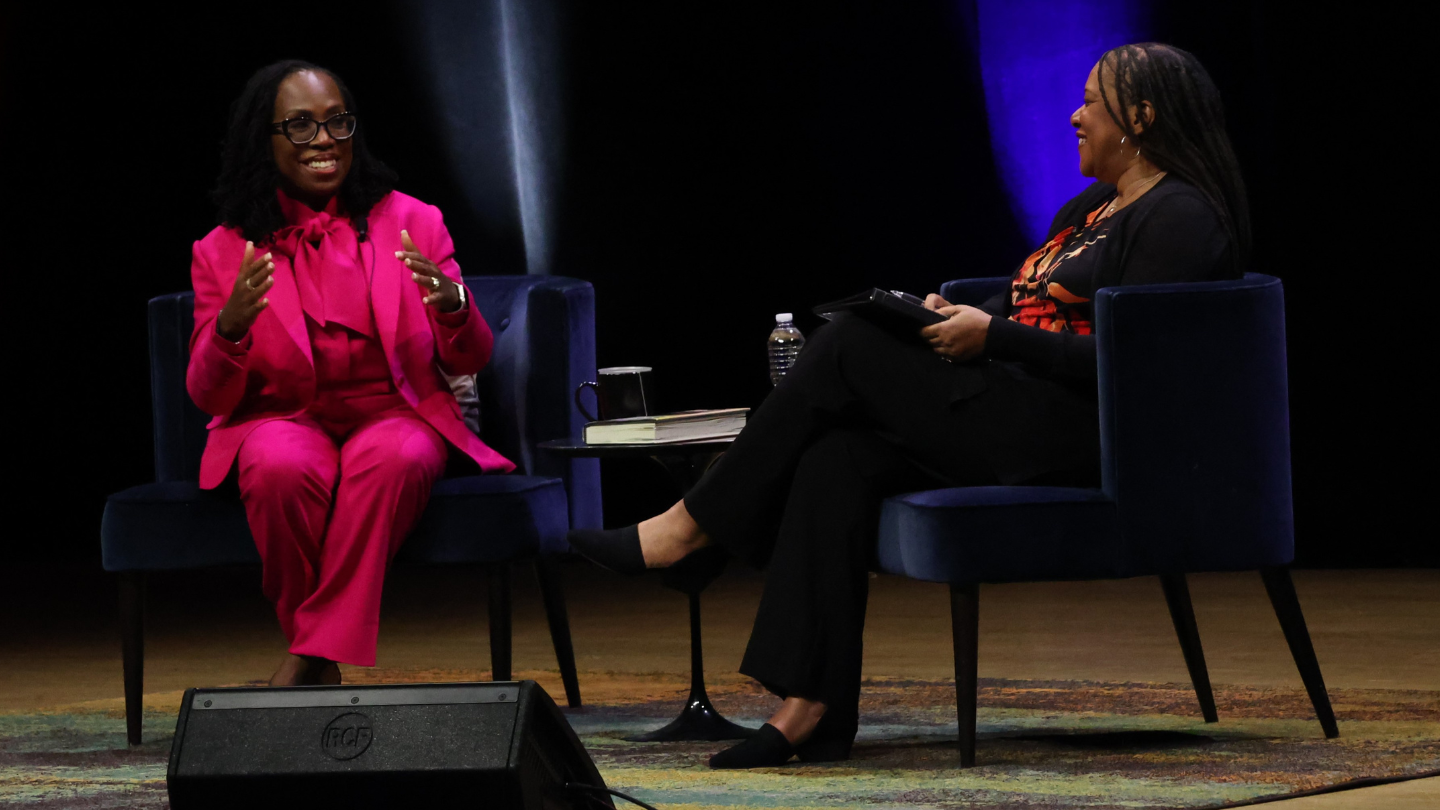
[{"x": 685, "y": 462}]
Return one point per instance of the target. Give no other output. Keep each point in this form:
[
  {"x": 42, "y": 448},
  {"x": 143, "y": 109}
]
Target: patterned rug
[{"x": 1043, "y": 744}]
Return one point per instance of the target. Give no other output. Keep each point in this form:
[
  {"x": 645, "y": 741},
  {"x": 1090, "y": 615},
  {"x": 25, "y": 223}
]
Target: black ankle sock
[
  {"x": 767, "y": 748},
  {"x": 695, "y": 571},
  {"x": 832, "y": 738}
]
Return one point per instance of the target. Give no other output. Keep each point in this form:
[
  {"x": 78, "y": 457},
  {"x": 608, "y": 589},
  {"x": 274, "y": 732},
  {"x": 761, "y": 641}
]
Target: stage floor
[{"x": 1371, "y": 629}]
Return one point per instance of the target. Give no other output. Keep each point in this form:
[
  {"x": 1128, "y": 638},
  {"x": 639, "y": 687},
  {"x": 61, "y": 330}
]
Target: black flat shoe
[
  {"x": 766, "y": 748},
  {"x": 695, "y": 571},
  {"x": 832, "y": 738},
  {"x": 616, "y": 550}
]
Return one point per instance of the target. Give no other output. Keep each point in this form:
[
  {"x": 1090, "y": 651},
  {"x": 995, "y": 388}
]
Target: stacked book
[{"x": 685, "y": 426}]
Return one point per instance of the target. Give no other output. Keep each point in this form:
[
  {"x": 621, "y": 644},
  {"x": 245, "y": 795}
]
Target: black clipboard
[{"x": 891, "y": 309}]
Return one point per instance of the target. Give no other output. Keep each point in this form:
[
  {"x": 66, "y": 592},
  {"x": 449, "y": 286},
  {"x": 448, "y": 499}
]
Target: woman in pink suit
[{"x": 328, "y": 308}]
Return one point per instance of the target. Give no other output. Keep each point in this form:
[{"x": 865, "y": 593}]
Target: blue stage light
[{"x": 1034, "y": 57}]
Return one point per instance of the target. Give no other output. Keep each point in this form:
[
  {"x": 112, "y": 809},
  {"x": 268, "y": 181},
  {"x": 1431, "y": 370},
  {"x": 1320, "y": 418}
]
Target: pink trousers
[{"x": 329, "y": 505}]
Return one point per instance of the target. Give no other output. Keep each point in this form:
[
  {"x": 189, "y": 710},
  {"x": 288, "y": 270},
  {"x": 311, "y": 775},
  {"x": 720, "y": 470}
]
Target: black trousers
[{"x": 863, "y": 415}]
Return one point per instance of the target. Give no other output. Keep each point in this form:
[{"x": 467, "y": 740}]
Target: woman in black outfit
[{"x": 1003, "y": 394}]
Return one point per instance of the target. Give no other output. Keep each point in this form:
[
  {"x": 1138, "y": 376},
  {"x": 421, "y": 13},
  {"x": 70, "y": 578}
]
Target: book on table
[{"x": 685, "y": 426}]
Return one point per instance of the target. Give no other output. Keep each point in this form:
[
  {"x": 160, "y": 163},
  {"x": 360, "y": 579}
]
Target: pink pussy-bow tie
[{"x": 324, "y": 254}]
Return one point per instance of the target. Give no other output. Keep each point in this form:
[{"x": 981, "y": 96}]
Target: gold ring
[
  {"x": 248, "y": 285},
  {"x": 435, "y": 282}
]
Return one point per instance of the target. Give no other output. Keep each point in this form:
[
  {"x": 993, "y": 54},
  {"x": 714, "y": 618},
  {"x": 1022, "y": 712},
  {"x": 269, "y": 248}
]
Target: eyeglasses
[{"x": 300, "y": 131}]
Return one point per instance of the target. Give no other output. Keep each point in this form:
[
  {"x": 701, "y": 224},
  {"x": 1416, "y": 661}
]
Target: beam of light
[
  {"x": 1034, "y": 58},
  {"x": 530, "y": 95},
  {"x": 492, "y": 70}
]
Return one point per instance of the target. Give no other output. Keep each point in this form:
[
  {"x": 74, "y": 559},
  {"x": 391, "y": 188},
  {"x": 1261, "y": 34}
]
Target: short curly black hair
[{"x": 245, "y": 190}]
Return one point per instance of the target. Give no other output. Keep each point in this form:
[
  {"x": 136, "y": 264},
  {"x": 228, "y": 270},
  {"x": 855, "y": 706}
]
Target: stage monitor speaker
[{"x": 462, "y": 745}]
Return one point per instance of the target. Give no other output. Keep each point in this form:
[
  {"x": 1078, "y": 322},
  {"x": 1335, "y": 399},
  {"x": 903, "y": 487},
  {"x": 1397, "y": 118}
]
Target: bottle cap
[{"x": 784, "y": 317}]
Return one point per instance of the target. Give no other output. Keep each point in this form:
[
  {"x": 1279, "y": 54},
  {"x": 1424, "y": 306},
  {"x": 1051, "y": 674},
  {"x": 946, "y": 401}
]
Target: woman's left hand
[
  {"x": 961, "y": 336},
  {"x": 440, "y": 291}
]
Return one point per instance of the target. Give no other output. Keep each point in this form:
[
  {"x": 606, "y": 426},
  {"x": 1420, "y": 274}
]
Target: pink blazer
[{"x": 270, "y": 374}]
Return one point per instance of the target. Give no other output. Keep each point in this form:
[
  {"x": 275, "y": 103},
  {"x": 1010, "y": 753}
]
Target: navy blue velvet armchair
[
  {"x": 544, "y": 330},
  {"x": 1195, "y": 445}
]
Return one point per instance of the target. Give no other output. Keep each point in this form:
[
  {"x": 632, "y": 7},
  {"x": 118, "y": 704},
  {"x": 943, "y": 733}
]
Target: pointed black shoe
[
  {"x": 766, "y": 748},
  {"x": 617, "y": 550}
]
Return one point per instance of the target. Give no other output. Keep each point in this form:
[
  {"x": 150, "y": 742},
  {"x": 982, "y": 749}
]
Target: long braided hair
[
  {"x": 245, "y": 191},
  {"x": 1187, "y": 136}
]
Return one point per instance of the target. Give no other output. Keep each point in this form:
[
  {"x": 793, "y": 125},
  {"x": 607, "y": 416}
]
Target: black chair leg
[
  {"x": 1182, "y": 613},
  {"x": 965, "y": 629},
  {"x": 1292, "y": 621},
  {"x": 552, "y": 592},
  {"x": 132, "y": 641},
  {"x": 500, "y": 622}
]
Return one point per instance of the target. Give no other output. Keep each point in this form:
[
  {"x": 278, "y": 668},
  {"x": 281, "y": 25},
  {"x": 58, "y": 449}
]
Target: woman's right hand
[
  {"x": 934, "y": 302},
  {"x": 247, "y": 299}
]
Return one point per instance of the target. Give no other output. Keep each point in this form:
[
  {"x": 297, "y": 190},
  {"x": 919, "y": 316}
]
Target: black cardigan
[{"x": 1171, "y": 234}]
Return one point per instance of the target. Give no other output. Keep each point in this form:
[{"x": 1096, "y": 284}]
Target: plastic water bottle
[{"x": 785, "y": 344}]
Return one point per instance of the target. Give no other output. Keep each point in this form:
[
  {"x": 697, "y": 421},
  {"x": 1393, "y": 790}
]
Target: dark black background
[{"x": 720, "y": 165}]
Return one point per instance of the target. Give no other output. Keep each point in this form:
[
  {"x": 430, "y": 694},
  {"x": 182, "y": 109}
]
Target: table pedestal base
[
  {"x": 685, "y": 463},
  {"x": 698, "y": 720}
]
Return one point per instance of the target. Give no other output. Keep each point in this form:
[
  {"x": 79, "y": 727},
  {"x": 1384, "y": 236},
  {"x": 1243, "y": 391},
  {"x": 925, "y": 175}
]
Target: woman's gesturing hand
[
  {"x": 962, "y": 335},
  {"x": 440, "y": 291},
  {"x": 247, "y": 298}
]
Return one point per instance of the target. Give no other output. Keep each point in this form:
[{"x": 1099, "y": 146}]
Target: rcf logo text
[{"x": 347, "y": 736}]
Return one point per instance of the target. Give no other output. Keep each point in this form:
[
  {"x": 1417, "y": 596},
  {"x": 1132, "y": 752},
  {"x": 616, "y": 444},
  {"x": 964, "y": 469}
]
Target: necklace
[{"x": 1147, "y": 181}]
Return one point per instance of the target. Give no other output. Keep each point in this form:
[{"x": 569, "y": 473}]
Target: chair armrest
[
  {"x": 973, "y": 291},
  {"x": 544, "y": 348},
  {"x": 1194, "y": 422}
]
